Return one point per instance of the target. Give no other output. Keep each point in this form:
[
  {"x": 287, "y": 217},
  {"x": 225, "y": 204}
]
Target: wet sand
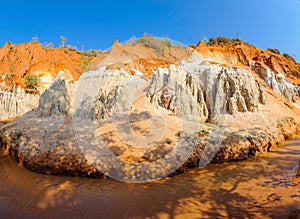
[{"x": 260, "y": 187}]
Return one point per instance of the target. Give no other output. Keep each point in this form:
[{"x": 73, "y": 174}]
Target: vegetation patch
[
  {"x": 91, "y": 53},
  {"x": 288, "y": 56},
  {"x": 203, "y": 133},
  {"x": 273, "y": 50},
  {"x": 223, "y": 41},
  {"x": 193, "y": 46},
  {"x": 161, "y": 46},
  {"x": 31, "y": 82}
]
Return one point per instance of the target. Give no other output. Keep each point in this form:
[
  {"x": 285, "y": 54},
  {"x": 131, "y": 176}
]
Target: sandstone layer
[{"x": 280, "y": 72}]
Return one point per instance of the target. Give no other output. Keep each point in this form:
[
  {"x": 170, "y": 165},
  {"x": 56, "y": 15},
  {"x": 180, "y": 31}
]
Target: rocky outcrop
[
  {"x": 45, "y": 140},
  {"x": 16, "y": 103},
  {"x": 204, "y": 90},
  {"x": 56, "y": 101},
  {"x": 116, "y": 42},
  {"x": 55, "y": 138},
  {"x": 240, "y": 145},
  {"x": 99, "y": 93},
  {"x": 208, "y": 90},
  {"x": 47, "y": 150},
  {"x": 277, "y": 81},
  {"x": 19, "y": 60},
  {"x": 281, "y": 73}
]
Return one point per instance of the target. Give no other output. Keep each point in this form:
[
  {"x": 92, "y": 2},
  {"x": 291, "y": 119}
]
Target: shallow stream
[{"x": 261, "y": 187}]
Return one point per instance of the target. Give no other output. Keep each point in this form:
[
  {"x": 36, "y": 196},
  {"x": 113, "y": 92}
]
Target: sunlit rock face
[
  {"x": 33, "y": 58},
  {"x": 196, "y": 88},
  {"x": 280, "y": 72},
  {"x": 100, "y": 92},
  {"x": 208, "y": 90},
  {"x": 16, "y": 103},
  {"x": 46, "y": 140},
  {"x": 277, "y": 81},
  {"x": 45, "y": 137},
  {"x": 56, "y": 100}
]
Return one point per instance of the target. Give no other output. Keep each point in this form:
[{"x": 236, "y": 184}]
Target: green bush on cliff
[
  {"x": 86, "y": 57},
  {"x": 83, "y": 62},
  {"x": 192, "y": 46},
  {"x": 223, "y": 41},
  {"x": 31, "y": 82},
  {"x": 288, "y": 56},
  {"x": 91, "y": 53},
  {"x": 238, "y": 40},
  {"x": 212, "y": 41},
  {"x": 220, "y": 40},
  {"x": 159, "y": 45},
  {"x": 274, "y": 50}
]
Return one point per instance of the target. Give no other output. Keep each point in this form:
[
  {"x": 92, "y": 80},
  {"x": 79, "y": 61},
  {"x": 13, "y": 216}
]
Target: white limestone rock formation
[
  {"x": 100, "y": 92},
  {"x": 277, "y": 81},
  {"x": 207, "y": 91},
  {"x": 16, "y": 103}
]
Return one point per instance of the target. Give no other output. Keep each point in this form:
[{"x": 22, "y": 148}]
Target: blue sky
[{"x": 96, "y": 24}]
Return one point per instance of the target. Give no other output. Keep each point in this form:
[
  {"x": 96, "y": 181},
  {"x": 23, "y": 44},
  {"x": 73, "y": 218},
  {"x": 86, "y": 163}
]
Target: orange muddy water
[{"x": 261, "y": 187}]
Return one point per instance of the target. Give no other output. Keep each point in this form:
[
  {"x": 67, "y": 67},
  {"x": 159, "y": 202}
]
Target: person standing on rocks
[
  {"x": 165, "y": 95},
  {"x": 189, "y": 80}
]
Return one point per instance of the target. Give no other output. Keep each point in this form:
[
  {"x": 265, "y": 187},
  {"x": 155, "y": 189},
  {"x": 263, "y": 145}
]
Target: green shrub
[
  {"x": 223, "y": 41},
  {"x": 203, "y": 133},
  {"x": 273, "y": 50},
  {"x": 193, "y": 46},
  {"x": 237, "y": 40},
  {"x": 84, "y": 61},
  {"x": 91, "y": 53},
  {"x": 288, "y": 56},
  {"x": 35, "y": 39},
  {"x": 220, "y": 40},
  {"x": 159, "y": 45},
  {"x": 31, "y": 81},
  {"x": 212, "y": 41}
]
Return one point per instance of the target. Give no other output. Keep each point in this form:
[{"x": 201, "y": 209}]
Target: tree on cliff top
[
  {"x": 63, "y": 40},
  {"x": 35, "y": 39}
]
